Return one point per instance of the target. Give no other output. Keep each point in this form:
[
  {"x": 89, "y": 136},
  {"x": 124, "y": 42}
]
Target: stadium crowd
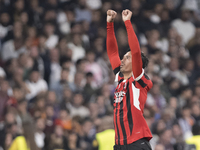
[{"x": 56, "y": 82}]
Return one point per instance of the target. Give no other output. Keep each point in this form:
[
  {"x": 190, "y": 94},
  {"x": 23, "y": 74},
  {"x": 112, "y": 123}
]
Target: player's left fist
[{"x": 126, "y": 15}]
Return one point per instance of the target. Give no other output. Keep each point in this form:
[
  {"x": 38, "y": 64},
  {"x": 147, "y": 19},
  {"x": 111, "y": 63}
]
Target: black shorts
[{"x": 141, "y": 144}]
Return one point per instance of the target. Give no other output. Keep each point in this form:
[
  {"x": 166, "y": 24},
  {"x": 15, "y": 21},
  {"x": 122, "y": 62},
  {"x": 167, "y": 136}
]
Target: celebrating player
[{"x": 131, "y": 129}]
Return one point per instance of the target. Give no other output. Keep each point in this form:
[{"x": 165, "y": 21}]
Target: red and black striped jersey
[
  {"x": 129, "y": 100},
  {"x": 130, "y": 94}
]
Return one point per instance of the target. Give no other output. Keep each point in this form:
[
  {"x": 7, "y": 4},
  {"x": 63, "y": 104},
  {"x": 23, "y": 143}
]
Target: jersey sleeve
[
  {"x": 135, "y": 51},
  {"x": 145, "y": 82},
  {"x": 112, "y": 48}
]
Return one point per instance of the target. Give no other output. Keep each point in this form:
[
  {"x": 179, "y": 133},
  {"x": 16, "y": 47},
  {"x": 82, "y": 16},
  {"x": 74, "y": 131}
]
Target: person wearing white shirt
[
  {"x": 35, "y": 85},
  {"x": 184, "y": 27}
]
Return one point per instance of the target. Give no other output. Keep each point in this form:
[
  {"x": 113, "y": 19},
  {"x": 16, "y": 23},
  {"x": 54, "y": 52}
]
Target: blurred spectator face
[
  {"x": 64, "y": 115},
  {"x": 19, "y": 5},
  {"x": 90, "y": 57},
  {"x": 159, "y": 147},
  {"x": 186, "y": 112},
  {"x": 187, "y": 93},
  {"x": 42, "y": 40},
  {"x": 70, "y": 16},
  {"x": 51, "y": 97},
  {"x": 166, "y": 137},
  {"x": 106, "y": 90},
  {"x": 58, "y": 131},
  {"x": 135, "y": 4},
  {"x": 23, "y": 59},
  {"x": 78, "y": 100},
  {"x": 4, "y": 86},
  {"x": 67, "y": 65},
  {"x": 64, "y": 75},
  {"x": 9, "y": 118},
  {"x": 82, "y": 4},
  {"x": 102, "y": 33},
  {"x": 87, "y": 126},
  {"x": 76, "y": 29},
  {"x": 32, "y": 32},
  {"x": 176, "y": 131},
  {"x": 49, "y": 29},
  {"x": 158, "y": 8},
  {"x": 77, "y": 39},
  {"x": 81, "y": 66},
  {"x": 173, "y": 102},
  {"x": 174, "y": 64},
  {"x": 165, "y": 15},
  {"x": 169, "y": 4},
  {"x": 174, "y": 85},
  {"x": 185, "y": 15},
  {"x": 34, "y": 3},
  {"x": 17, "y": 26},
  {"x": 62, "y": 44},
  {"x": 160, "y": 126},
  {"x": 54, "y": 55},
  {"x": 22, "y": 107},
  {"x": 96, "y": 16},
  {"x": 34, "y": 77},
  {"x": 4, "y": 19},
  {"x": 121, "y": 35},
  {"x": 73, "y": 137},
  {"x": 98, "y": 44},
  {"x": 34, "y": 52},
  {"x": 52, "y": 2},
  {"x": 40, "y": 103},
  {"x": 196, "y": 109},
  {"x": 168, "y": 114},
  {"x": 189, "y": 65},
  {"x": 85, "y": 26},
  {"x": 49, "y": 111},
  {"x": 100, "y": 101},
  {"x": 40, "y": 124},
  {"x": 106, "y": 5},
  {"x": 155, "y": 90},
  {"x": 50, "y": 15},
  {"x": 67, "y": 94},
  {"x": 18, "y": 94},
  {"x": 18, "y": 74},
  {"x": 24, "y": 18},
  {"x": 78, "y": 78}
]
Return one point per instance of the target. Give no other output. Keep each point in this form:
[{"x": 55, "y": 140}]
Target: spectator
[
  {"x": 39, "y": 134},
  {"x": 35, "y": 85},
  {"x": 48, "y": 48},
  {"x": 194, "y": 140},
  {"x": 185, "y": 24},
  {"x": 77, "y": 108}
]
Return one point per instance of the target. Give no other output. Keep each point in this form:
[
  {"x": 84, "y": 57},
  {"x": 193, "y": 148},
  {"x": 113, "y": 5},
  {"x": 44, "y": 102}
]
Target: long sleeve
[
  {"x": 112, "y": 48},
  {"x": 135, "y": 51}
]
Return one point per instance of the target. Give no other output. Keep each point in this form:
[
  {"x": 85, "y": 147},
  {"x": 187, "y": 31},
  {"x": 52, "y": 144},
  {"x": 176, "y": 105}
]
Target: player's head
[{"x": 126, "y": 61}]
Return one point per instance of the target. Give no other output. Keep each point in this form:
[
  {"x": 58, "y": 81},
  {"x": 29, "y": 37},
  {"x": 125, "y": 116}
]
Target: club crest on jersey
[{"x": 119, "y": 96}]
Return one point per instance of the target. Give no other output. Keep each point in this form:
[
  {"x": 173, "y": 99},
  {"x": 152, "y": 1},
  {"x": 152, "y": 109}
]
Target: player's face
[{"x": 126, "y": 63}]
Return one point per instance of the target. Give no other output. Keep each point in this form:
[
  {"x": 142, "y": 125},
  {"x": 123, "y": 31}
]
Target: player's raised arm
[
  {"x": 133, "y": 44},
  {"x": 111, "y": 42}
]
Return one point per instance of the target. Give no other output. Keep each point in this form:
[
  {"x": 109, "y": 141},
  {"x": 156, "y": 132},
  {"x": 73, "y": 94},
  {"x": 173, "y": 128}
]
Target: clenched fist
[
  {"x": 111, "y": 14},
  {"x": 126, "y": 15}
]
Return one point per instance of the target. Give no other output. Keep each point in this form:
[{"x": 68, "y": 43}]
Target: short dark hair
[{"x": 145, "y": 60}]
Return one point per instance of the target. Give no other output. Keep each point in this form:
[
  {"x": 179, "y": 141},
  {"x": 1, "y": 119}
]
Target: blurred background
[{"x": 57, "y": 85}]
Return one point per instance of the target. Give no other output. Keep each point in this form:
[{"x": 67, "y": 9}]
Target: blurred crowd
[{"x": 56, "y": 82}]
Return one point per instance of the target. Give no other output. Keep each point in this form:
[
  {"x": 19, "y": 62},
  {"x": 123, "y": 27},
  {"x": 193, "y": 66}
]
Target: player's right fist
[{"x": 111, "y": 14}]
